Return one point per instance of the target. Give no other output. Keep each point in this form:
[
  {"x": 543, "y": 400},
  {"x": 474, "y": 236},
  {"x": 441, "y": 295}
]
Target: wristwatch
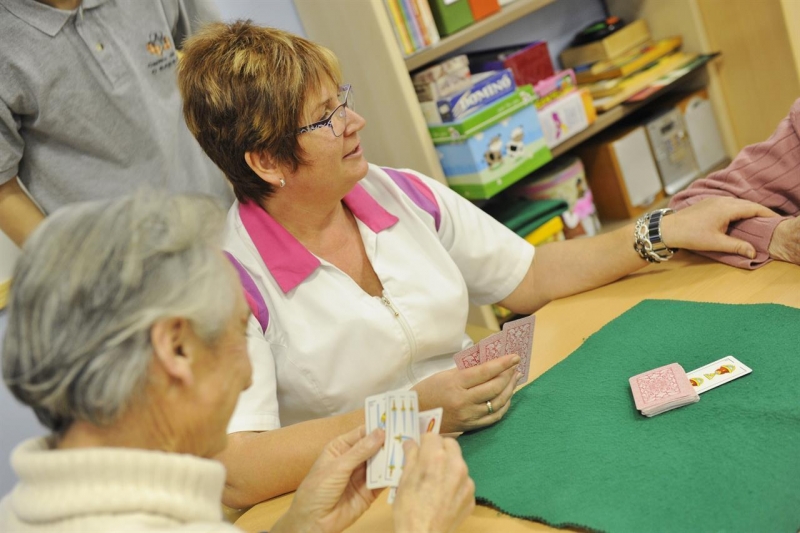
[{"x": 648, "y": 242}]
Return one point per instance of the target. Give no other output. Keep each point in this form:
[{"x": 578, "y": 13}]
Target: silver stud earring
[{"x": 283, "y": 183}]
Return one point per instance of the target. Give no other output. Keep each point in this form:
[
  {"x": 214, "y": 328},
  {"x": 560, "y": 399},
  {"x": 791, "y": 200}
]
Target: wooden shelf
[
  {"x": 614, "y": 115},
  {"x": 507, "y": 15}
]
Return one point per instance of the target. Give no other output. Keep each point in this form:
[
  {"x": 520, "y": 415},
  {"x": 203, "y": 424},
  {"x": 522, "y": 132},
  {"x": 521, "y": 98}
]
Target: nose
[{"x": 355, "y": 122}]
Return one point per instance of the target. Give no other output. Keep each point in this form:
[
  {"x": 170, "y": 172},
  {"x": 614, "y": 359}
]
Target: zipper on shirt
[
  {"x": 389, "y": 304},
  {"x": 407, "y": 330}
]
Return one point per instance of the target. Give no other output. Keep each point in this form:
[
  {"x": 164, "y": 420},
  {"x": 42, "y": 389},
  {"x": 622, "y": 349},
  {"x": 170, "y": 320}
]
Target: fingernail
[
  {"x": 751, "y": 254},
  {"x": 516, "y": 359}
]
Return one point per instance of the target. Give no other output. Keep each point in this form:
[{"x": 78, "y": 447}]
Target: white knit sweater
[{"x": 112, "y": 490}]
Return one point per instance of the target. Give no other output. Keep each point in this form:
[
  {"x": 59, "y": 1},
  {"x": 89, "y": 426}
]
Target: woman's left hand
[
  {"x": 334, "y": 493},
  {"x": 703, "y": 226}
]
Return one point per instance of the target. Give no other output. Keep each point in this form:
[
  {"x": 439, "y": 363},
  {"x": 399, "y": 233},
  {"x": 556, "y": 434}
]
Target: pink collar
[{"x": 289, "y": 262}]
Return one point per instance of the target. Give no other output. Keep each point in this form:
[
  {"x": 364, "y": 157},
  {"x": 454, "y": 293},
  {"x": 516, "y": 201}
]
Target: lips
[{"x": 354, "y": 150}]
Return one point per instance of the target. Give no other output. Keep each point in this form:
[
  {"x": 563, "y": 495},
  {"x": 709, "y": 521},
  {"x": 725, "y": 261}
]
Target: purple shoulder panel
[
  {"x": 251, "y": 293},
  {"x": 419, "y": 193}
]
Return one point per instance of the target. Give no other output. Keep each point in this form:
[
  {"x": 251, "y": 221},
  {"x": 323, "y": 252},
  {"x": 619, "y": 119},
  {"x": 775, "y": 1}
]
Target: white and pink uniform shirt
[{"x": 319, "y": 344}]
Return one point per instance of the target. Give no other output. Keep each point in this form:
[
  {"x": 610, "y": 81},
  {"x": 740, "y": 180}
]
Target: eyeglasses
[{"x": 336, "y": 121}]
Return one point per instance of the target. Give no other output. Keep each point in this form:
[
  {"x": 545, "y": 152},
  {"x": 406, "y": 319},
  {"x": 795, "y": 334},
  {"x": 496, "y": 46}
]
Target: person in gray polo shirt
[{"x": 89, "y": 105}]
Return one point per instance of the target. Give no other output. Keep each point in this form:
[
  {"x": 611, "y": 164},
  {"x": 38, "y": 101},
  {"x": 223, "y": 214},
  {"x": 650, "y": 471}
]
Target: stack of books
[
  {"x": 624, "y": 63},
  {"x": 413, "y": 24}
]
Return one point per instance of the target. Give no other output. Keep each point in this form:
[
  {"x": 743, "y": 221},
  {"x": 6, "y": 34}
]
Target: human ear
[
  {"x": 171, "y": 341},
  {"x": 265, "y": 167}
]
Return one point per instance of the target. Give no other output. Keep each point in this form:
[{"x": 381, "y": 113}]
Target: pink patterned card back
[
  {"x": 519, "y": 340},
  {"x": 492, "y": 346},
  {"x": 467, "y": 358},
  {"x": 660, "y": 386}
]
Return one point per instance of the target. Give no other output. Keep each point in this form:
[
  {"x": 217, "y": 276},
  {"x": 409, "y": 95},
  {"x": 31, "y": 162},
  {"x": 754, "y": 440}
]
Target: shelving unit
[
  {"x": 360, "y": 33},
  {"x": 510, "y": 13}
]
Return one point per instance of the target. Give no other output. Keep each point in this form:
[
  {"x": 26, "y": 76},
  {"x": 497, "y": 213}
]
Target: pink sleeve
[{"x": 767, "y": 173}]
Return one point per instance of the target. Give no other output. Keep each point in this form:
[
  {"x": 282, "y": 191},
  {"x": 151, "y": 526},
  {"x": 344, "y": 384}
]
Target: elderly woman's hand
[
  {"x": 703, "y": 226},
  {"x": 334, "y": 493},
  {"x": 785, "y": 243},
  {"x": 436, "y": 493},
  {"x": 464, "y": 395}
]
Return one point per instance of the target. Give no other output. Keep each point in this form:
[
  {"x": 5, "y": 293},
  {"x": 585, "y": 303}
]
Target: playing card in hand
[
  {"x": 519, "y": 340},
  {"x": 375, "y": 414},
  {"x": 492, "y": 346},
  {"x": 467, "y": 358},
  {"x": 402, "y": 424},
  {"x": 662, "y": 389}
]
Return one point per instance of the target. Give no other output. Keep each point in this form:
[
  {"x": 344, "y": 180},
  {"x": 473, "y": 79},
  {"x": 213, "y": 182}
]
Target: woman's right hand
[
  {"x": 463, "y": 394},
  {"x": 436, "y": 493}
]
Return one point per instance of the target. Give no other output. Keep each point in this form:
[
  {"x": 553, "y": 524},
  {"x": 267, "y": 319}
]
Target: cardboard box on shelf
[
  {"x": 567, "y": 116},
  {"x": 672, "y": 149},
  {"x": 703, "y": 130},
  {"x": 622, "y": 173},
  {"x": 441, "y": 79},
  {"x": 483, "y": 8},
  {"x": 492, "y": 148},
  {"x": 481, "y": 90},
  {"x": 451, "y": 15},
  {"x": 530, "y": 64},
  {"x": 629, "y": 36},
  {"x": 564, "y": 179},
  {"x": 554, "y": 87}
]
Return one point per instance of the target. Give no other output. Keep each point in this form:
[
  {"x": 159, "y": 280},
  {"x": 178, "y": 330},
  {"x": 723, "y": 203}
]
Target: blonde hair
[{"x": 244, "y": 89}]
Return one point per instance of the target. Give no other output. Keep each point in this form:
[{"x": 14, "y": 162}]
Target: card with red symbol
[
  {"x": 717, "y": 373},
  {"x": 662, "y": 389}
]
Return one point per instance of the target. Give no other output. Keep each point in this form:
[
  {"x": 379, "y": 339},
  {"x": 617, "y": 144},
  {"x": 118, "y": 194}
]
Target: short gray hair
[{"x": 88, "y": 287}]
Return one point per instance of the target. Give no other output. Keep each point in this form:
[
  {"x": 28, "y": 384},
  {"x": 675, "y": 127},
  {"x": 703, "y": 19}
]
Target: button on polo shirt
[
  {"x": 89, "y": 104},
  {"x": 319, "y": 345}
]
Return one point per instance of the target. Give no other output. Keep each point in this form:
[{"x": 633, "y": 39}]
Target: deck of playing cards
[
  {"x": 397, "y": 413},
  {"x": 516, "y": 337},
  {"x": 662, "y": 389}
]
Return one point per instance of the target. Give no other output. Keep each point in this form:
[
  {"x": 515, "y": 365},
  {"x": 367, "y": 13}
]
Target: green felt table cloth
[{"x": 573, "y": 451}]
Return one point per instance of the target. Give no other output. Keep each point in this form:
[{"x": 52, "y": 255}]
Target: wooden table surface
[{"x": 563, "y": 325}]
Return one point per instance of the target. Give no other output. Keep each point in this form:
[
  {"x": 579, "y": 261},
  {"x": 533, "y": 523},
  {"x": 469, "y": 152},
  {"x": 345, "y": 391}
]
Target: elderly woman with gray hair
[{"x": 126, "y": 336}]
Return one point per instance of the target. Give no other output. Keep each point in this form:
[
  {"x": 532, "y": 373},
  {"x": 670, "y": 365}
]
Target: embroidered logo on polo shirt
[
  {"x": 161, "y": 46},
  {"x": 158, "y": 44}
]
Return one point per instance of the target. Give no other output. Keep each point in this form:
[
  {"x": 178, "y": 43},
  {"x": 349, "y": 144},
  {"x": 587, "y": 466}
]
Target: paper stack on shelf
[
  {"x": 629, "y": 63},
  {"x": 413, "y": 24},
  {"x": 610, "y": 93},
  {"x": 614, "y": 45}
]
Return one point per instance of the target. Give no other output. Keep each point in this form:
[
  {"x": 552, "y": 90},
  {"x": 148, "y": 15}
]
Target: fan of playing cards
[
  {"x": 397, "y": 413},
  {"x": 516, "y": 338},
  {"x": 669, "y": 387}
]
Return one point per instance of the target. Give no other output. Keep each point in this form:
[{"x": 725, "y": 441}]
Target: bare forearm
[
  {"x": 270, "y": 463},
  {"x": 19, "y": 216},
  {"x": 574, "y": 266}
]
